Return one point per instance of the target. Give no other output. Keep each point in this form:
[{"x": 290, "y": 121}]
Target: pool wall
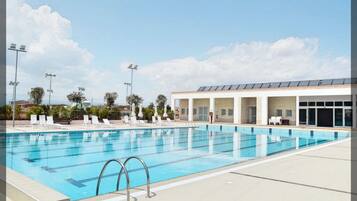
[{"x": 20, "y": 187}]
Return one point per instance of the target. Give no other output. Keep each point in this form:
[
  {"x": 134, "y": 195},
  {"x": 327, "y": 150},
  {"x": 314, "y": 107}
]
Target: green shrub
[{"x": 37, "y": 110}]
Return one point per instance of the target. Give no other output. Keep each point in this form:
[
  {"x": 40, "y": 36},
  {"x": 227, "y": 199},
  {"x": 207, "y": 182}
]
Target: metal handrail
[
  {"x": 146, "y": 171},
  {"x": 121, "y": 170}
]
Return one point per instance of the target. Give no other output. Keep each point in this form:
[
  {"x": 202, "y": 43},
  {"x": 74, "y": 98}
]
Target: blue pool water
[{"x": 70, "y": 162}]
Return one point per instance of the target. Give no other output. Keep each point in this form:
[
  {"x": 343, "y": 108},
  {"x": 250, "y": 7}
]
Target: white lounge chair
[
  {"x": 126, "y": 119},
  {"x": 133, "y": 120},
  {"x": 168, "y": 120},
  {"x": 50, "y": 122},
  {"x": 86, "y": 120},
  {"x": 278, "y": 120},
  {"x": 272, "y": 120},
  {"x": 159, "y": 121},
  {"x": 107, "y": 122},
  {"x": 42, "y": 120},
  {"x": 33, "y": 120},
  {"x": 95, "y": 121},
  {"x": 153, "y": 119}
]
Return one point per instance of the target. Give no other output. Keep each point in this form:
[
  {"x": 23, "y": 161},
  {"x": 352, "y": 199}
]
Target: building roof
[{"x": 286, "y": 84}]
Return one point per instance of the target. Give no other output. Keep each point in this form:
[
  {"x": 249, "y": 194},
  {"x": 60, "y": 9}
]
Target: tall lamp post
[
  {"x": 132, "y": 67},
  {"x": 50, "y": 91},
  {"x": 15, "y": 83},
  {"x": 127, "y": 86}
]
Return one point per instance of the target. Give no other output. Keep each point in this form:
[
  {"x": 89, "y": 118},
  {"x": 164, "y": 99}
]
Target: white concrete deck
[{"x": 319, "y": 173}]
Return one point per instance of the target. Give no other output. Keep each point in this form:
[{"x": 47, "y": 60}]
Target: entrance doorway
[
  {"x": 202, "y": 113},
  {"x": 325, "y": 117},
  {"x": 252, "y": 114}
]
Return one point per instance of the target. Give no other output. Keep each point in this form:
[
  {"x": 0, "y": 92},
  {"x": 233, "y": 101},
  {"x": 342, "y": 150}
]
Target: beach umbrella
[
  {"x": 133, "y": 110},
  {"x": 140, "y": 115},
  {"x": 165, "y": 112},
  {"x": 155, "y": 114}
]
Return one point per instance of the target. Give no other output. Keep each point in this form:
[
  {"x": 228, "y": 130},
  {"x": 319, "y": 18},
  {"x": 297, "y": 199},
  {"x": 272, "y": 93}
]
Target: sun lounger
[
  {"x": 153, "y": 119},
  {"x": 272, "y": 120},
  {"x": 126, "y": 119},
  {"x": 86, "y": 120},
  {"x": 50, "y": 122},
  {"x": 42, "y": 120},
  {"x": 159, "y": 121},
  {"x": 33, "y": 120},
  {"x": 95, "y": 121},
  {"x": 133, "y": 120},
  {"x": 168, "y": 121}
]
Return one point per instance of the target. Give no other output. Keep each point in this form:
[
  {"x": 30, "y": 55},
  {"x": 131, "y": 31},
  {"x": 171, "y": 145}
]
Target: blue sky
[{"x": 154, "y": 34}]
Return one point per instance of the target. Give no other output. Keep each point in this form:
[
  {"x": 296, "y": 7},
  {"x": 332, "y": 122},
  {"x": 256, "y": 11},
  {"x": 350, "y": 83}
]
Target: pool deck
[
  {"x": 24, "y": 127},
  {"x": 318, "y": 173}
]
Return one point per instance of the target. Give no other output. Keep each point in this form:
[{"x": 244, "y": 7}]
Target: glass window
[
  {"x": 294, "y": 84},
  {"x": 330, "y": 103},
  {"x": 279, "y": 112},
  {"x": 312, "y": 116},
  {"x": 347, "y": 103},
  {"x": 338, "y": 117},
  {"x": 288, "y": 113},
  {"x": 348, "y": 117},
  {"x": 320, "y": 103},
  {"x": 303, "y": 104},
  {"x": 284, "y": 84},
  {"x": 183, "y": 111},
  {"x": 194, "y": 111},
  {"x": 302, "y": 116},
  {"x": 312, "y": 103},
  {"x": 223, "y": 112},
  {"x": 338, "y": 103},
  {"x": 265, "y": 85},
  {"x": 230, "y": 112}
]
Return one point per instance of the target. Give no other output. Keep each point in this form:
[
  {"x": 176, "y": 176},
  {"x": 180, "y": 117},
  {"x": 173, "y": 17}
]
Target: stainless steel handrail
[
  {"x": 146, "y": 171},
  {"x": 121, "y": 170}
]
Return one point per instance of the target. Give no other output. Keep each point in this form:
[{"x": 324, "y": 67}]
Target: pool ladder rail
[{"x": 123, "y": 168}]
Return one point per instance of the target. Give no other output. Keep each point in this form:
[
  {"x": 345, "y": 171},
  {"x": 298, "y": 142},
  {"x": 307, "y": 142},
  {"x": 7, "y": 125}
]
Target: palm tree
[
  {"x": 36, "y": 95},
  {"x": 110, "y": 98},
  {"x": 76, "y": 97},
  {"x": 161, "y": 101},
  {"x": 134, "y": 99}
]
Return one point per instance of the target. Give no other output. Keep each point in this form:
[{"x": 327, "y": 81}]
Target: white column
[
  {"x": 297, "y": 115},
  {"x": 190, "y": 109},
  {"x": 211, "y": 107},
  {"x": 263, "y": 110},
  {"x": 172, "y": 103},
  {"x": 354, "y": 123},
  {"x": 237, "y": 106}
]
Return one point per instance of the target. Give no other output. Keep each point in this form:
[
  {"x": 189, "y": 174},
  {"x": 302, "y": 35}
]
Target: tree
[
  {"x": 110, "y": 98},
  {"x": 36, "y": 95},
  {"x": 134, "y": 99},
  {"x": 161, "y": 101},
  {"x": 76, "y": 97}
]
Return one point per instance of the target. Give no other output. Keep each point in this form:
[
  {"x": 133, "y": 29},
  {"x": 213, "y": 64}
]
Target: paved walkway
[{"x": 321, "y": 173}]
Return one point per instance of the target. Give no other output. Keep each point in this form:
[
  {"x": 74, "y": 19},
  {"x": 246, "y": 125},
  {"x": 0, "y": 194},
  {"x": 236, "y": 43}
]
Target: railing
[
  {"x": 146, "y": 171},
  {"x": 123, "y": 168},
  {"x": 126, "y": 175}
]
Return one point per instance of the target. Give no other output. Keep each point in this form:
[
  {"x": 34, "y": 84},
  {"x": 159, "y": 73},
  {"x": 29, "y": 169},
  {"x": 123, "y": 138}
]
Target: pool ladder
[{"x": 123, "y": 168}]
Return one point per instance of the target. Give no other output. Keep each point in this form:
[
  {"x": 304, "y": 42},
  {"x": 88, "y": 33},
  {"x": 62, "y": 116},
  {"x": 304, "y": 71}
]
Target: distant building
[{"x": 325, "y": 103}]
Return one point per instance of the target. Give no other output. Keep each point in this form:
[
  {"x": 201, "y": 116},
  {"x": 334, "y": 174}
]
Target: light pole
[
  {"x": 127, "y": 86},
  {"x": 50, "y": 91},
  {"x": 15, "y": 83},
  {"x": 132, "y": 67}
]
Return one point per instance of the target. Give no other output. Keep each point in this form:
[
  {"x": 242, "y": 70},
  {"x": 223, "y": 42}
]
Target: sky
[{"x": 178, "y": 45}]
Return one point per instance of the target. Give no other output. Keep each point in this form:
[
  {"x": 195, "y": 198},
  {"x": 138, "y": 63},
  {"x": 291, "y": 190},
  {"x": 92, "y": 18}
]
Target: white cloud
[
  {"x": 286, "y": 59},
  {"x": 51, "y": 49}
]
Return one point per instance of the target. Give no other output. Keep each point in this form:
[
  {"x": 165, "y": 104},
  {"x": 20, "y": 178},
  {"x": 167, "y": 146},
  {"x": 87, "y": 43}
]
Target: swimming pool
[{"x": 70, "y": 162}]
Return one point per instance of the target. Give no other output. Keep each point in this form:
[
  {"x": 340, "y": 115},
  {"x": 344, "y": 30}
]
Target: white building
[{"x": 325, "y": 103}]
